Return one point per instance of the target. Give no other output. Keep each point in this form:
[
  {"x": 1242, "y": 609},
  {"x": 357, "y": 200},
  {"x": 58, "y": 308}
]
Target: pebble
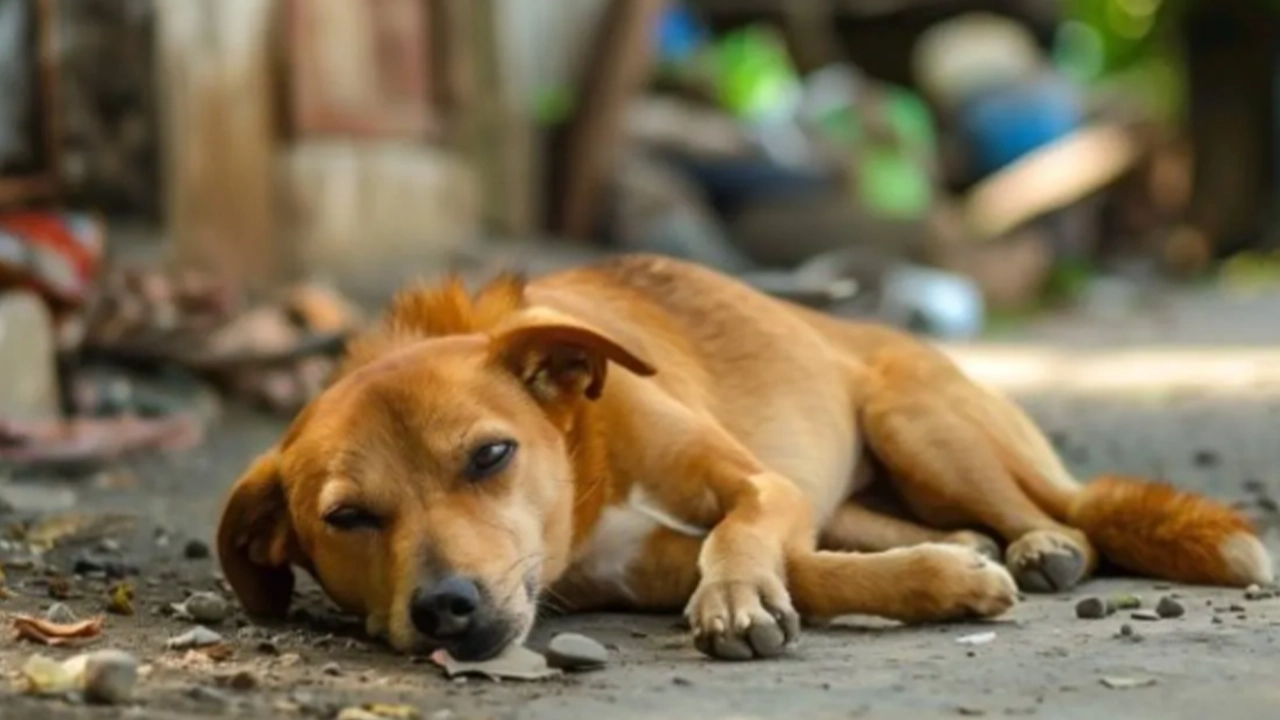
[
  {"x": 1121, "y": 683},
  {"x": 977, "y": 638},
  {"x": 1093, "y": 608},
  {"x": 196, "y": 550},
  {"x": 1256, "y": 592},
  {"x": 109, "y": 676},
  {"x": 1170, "y": 608},
  {"x": 204, "y": 607},
  {"x": 59, "y": 613},
  {"x": 209, "y": 696},
  {"x": 331, "y": 669},
  {"x": 199, "y": 636},
  {"x": 1146, "y": 615},
  {"x": 243, "y": 681},
  {"x": 681, "y": 681},
  {"x": 1236, "y": 608},
  {"x": 572, "y": 651}
]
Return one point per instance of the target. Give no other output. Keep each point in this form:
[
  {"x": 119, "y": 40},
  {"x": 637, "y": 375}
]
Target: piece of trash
[
  {"x": 202, "y": 607},
  {"x": 120, "y": 599},
  {"x": 56, "y": 634},
  {"x": 1125, "y": 683},
  {"x": 977, "y": 638},
  {"x": 516, "y": 663},
  {"x": 197, "y": 637}
]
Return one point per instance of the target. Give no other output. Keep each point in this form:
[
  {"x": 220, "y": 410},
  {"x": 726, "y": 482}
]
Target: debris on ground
[
  {"x": 977, "y": 638},
  {"x": 1125, "y": 602},
  {"x": 55, "y": 634},
  {"x": 120, "y": 599},
  {"x": 1145, "y": 615},
  {"x": 103, "y": 676},
  {"x": 1257, "y": 592},
  {"x": 59, "y": 614},
  {"x": 1093, "y": 608},
  {"x": 574, "y": 651},
  {"x": 516, "y": 663},
  {"x": 197, "y": 637},
  {"x": 1170, "y": 608},
  {"x": 1127, "y": 633},
  {"x": 206, "y": 608},
  {"x": 1127, "y": 683},
  {"x": 195, "y": 550}
]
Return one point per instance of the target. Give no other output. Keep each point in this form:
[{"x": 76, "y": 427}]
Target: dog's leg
[
  {"x": 951, "y": 474},
  {"x": 858, "y": 528},
  {"x": 925, "y": 583}
]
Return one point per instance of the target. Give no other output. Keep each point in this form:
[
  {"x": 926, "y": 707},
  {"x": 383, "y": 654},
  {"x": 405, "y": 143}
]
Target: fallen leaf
[
  {"x": 50, "y": 633},
  {"x": 120, "y": 599},
  {"x": 1124, "y": 683},
  {"x": 517, "y": 663}
]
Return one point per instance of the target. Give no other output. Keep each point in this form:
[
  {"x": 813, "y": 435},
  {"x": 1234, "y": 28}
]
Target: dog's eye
[
  {"x": 489, "y": 459},
  {"x": 350, "y": 518}
]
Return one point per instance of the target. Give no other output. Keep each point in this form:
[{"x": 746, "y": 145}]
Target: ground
[{"x": 1208, "y": 424}]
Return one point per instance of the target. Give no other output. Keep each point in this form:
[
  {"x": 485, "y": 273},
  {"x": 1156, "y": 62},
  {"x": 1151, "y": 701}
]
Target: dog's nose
[{"x": 446, "y": 609}]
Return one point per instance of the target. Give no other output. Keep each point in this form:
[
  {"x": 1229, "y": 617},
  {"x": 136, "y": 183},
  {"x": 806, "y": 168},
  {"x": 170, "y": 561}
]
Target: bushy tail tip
[{"x": 1156, "y": 530}]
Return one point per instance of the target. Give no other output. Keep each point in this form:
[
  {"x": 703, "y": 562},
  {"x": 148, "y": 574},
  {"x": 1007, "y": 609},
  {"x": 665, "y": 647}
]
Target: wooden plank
[
  {"x": 616, "y": 69},
  {"x": 217, "y": 121},
  {"x": 359, "y": 69}
]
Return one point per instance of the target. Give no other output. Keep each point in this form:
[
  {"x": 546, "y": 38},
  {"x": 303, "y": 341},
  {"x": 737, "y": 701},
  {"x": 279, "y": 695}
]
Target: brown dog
[{"x": 476, "y": 453}]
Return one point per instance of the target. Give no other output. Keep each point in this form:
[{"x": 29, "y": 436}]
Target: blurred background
[{"x": 220, "y": 191}]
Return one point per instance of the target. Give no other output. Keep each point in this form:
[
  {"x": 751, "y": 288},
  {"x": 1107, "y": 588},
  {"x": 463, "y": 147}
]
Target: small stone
[
  {"x": 1128, "y": 634},
  {"x": 1235, "y": 608},
  {"x": 1257, "y": 592},
  {"x": 1206, "y": 458},
  {"x": 572, "y": 651},
  {"x": 332, "y": 669},
  {"x": 242, "y": 681},
  {"x": 209, "y": 696},
  {"x": 109, "y": 676},
  {"x": 1216, "y": 620},
  {"x": 61, "y": 614},
  {"x": 195, "y": 550},
  {"x": 1145, "y": 615},
  {"x": 977, "y": 638},
  {"x": 206, "y": 608},
  {"x": 59, "y": 588},
  {"x": 681, "y": 681},
  {"x": 1170, "y": 608},
  {"x": 1093, "y": 608},
  {"x": 199, "y": 636},
  {"x": 108, "y": 545},
  {"x": 967, "y": 711}
]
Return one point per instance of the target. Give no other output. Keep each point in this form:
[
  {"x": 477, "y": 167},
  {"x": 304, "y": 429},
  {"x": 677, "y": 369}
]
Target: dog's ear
[
  {"x": 256, "y": 541},
  {"x": 560, "y": 359}
]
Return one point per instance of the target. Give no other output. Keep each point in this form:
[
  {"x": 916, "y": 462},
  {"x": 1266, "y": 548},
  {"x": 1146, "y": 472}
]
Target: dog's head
[{"x": 430, "y": 489}]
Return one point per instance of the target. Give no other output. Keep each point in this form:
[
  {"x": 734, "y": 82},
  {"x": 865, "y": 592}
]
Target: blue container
[{"x": 1004, "y": 124}]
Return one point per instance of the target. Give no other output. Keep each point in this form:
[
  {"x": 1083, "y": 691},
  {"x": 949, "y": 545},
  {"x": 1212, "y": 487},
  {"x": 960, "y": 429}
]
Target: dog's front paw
[
  {"x": 742, "y": 619},
  {"x": 948, "y": 582}
]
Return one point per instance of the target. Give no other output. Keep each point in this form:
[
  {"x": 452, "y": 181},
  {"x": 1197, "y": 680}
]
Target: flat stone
[
  {"x": 61, "y": 614},
  {"x": 572, "y": 651},
  {"x": 196, "y": 637},
  {"x": 1147, "y": 615}
]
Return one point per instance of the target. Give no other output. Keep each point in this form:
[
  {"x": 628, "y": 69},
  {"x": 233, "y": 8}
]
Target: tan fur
[{"x": 726, "y": 465}]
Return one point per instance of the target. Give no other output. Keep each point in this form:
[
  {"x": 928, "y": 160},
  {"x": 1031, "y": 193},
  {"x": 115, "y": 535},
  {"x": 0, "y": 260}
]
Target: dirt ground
[{"x": 1215, "y": 433}]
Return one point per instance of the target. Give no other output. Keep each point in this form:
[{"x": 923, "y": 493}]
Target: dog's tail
[{"x": 1156, "y": 530}]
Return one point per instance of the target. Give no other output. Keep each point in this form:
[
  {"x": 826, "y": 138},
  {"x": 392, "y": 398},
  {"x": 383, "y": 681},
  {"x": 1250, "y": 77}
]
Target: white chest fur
[{"x": 619, "y": 539}]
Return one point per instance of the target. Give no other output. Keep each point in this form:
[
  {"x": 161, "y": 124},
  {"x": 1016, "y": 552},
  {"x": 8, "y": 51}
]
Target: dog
[{"x": 647, "y": 434}]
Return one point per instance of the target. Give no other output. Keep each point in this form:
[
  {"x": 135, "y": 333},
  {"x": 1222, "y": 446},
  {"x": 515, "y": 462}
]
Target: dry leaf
[
  {"x": 56, "y": 634},
  {"x": 516, "y": 663},
  {"x": 120, "y": 599}
]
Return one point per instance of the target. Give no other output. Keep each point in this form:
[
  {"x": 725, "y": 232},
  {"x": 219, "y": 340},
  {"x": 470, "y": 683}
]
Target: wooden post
[
  {"x": 616, "y": 68},
  {"x": 218, "y": 127}
]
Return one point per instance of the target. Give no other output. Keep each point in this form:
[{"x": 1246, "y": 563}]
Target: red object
[{"x": 55, "y": 254}]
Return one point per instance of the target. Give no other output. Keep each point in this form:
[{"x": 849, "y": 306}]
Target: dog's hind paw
[
  {"x": 743, "y": 620},
  {"x": 949, "y": 582}
]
